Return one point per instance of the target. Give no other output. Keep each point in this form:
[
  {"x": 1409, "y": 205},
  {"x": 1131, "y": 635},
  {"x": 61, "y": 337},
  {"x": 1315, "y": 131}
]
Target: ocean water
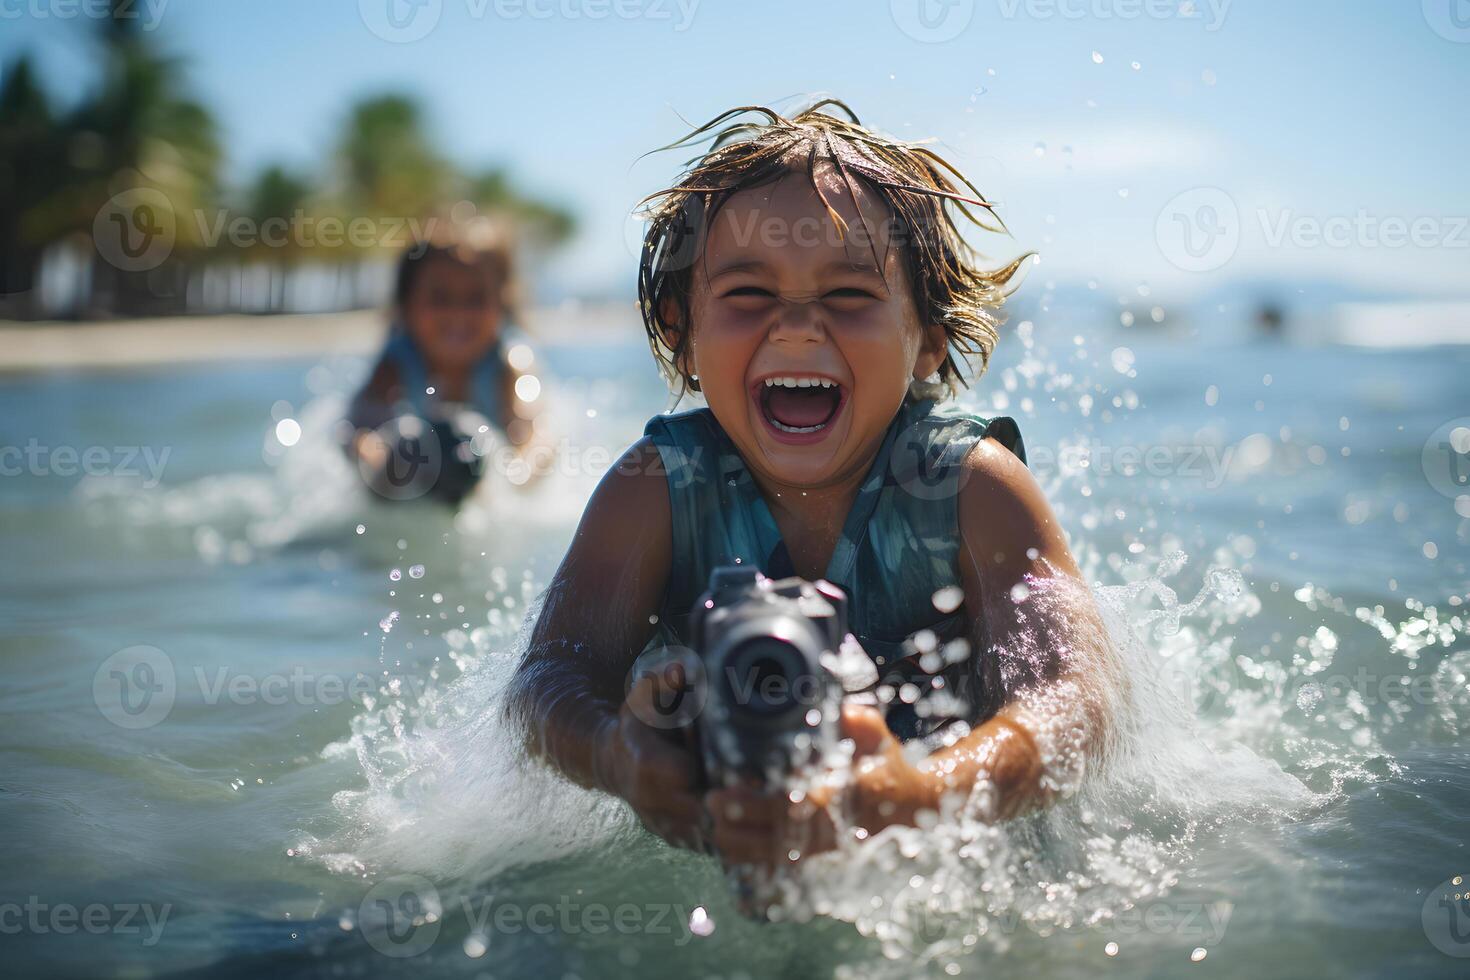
[{"x": 248, "y": 722}]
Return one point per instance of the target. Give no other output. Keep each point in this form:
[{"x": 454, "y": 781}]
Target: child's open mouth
[{"x": 799, "y": 408}]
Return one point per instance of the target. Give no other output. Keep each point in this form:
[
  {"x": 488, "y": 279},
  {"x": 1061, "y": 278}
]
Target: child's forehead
[
  {"x": 802, "y": 193},
  {"x": 788, "y": 220}
]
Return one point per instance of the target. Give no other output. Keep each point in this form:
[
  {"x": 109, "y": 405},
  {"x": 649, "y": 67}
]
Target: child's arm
[
  {"x": 1044, "y": 656},
  {"x": 1042, "y": 659},
  {"x": 567, "y": 693},
  {"x": 368, "y": 410}
]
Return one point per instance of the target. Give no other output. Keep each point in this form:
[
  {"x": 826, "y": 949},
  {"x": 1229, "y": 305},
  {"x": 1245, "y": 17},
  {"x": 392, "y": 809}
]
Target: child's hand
[
  {"x": 648, "y": 769},
  {"x": 882, "y": 788}
]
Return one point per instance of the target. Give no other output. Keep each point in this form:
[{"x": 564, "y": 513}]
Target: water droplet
[
  {"x": 387, "y": 622},
  {"x": 949, "y": 598},
  {"x": 1097, "y": 57},
  {"x": 700, "y": 923},
  {"x": 1111, "y": 949},
  {"x": 362, "y": 529},
  {"x": 395, "y": 575},
  {"x": 288, "y": 432},
  {"x": 475, "y": 945},
  {"x": 1199, "y": 953},
  {"x": 416, "y": 571},
  {"x": 1039, "y": 149}
]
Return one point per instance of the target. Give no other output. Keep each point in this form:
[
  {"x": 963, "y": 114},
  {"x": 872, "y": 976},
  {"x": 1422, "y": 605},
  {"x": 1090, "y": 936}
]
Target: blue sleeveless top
[
  {"x": 486, "y": 382},
  {"x": 899, "y": 544}
]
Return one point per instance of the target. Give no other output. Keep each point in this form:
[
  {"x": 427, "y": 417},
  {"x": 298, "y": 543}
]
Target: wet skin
[{"x": 776, "y": 293}]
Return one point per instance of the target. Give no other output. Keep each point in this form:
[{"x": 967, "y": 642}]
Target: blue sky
[{"x": 1346, "y": 118}]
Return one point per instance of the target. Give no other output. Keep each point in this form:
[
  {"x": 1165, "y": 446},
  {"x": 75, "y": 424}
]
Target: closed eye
[
  {"x": 749, "y": 291},
  {"x": 850, "y": 294}
]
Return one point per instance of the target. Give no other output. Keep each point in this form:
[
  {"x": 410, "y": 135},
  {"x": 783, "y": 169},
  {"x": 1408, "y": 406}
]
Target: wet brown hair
[{"x": 926, "y": 195}]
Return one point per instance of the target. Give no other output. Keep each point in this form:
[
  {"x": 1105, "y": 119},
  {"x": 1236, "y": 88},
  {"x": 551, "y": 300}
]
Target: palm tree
[
  {"x": 544, "y": 225},
  {"x": 388, "y": 167},
  {"x": 139, "y": 131},
  {"x": 30, "y": 172}
]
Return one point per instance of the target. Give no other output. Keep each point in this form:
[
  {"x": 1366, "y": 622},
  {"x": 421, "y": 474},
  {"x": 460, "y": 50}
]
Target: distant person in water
[
  {"x": 446, "y": 395},
  {"x": 808, "y": 276}
]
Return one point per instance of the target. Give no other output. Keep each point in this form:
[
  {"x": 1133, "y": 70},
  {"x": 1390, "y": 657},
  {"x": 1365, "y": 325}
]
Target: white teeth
[
  {"x": 798, "y": 428},
  {"x": 789, "y": 382}
]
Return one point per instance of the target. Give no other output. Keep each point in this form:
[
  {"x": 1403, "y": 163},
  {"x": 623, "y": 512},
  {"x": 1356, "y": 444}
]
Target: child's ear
[
  {"x": 671, "y": 322},
  {"x": 933, "y": 352},
  {"x": 672, "y": 330}
]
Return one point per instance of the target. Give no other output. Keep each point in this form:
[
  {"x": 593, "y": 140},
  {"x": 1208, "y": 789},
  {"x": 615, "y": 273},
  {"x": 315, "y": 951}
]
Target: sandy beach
[{"x": 124, "y": 344}]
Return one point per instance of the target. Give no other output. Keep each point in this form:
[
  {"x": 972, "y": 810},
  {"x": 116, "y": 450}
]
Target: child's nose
[{"x": 799, "y": 322}]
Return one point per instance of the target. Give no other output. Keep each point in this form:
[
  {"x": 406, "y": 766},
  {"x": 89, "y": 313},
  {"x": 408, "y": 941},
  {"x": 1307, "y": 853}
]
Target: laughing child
[
  {"x": 445, "y": 365},
  {"x": 809, "y": 278}
]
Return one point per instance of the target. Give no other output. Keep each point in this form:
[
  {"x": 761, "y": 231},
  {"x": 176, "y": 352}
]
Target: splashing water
[{"x": 1242, "y": 717}]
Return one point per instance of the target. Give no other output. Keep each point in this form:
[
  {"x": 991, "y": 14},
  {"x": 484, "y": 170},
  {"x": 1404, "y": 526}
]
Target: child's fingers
[{"x": 864, "y": 724}]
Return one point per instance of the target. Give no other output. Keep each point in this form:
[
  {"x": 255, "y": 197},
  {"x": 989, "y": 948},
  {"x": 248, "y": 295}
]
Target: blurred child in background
[{"x": 445, "y": 391}]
